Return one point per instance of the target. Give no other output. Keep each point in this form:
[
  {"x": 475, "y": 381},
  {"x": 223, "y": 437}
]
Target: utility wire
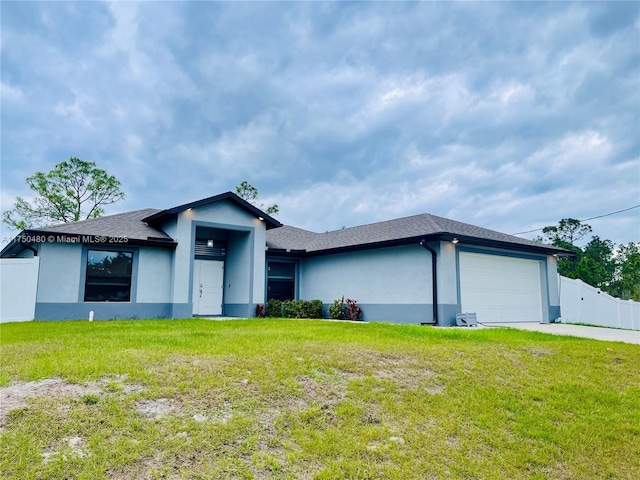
[
  {"x": 612, "y": 213},
  {"x": 585, "y": 220}
]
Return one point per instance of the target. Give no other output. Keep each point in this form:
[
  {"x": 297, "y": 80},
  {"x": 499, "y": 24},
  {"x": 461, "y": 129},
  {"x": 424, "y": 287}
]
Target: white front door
[{"x": 208, "y": 279}]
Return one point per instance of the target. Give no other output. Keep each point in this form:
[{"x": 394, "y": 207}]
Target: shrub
[
  {"x": 291, "y": 309},
  {"x": 352, "y": 311},
  {"x": 336, "y": 311},
  {"x": 294, "y": 308},
  {"x": 260, "y": 312},
  {"x": 315, "y": 309},
  {"x": 302, "y": 309},
  {"x": 274, "y": 308},
  {"x": 345, "y": 310}
]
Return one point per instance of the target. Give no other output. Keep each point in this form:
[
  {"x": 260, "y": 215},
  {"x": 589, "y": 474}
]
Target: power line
[
  {"x": 609, "y": 214},
  {"x": 585, "y": 220}
]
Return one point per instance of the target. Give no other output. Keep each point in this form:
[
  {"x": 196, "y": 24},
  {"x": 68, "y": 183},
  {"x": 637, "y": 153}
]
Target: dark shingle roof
[
  {"x": 397, "y": 231},
  {"x": 406, "y": 230},
  {"x": 129, "y": 225}
]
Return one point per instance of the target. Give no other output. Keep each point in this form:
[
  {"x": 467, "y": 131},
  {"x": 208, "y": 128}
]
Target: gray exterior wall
[
  {"x": 238, "y": 281},
  {"x": 60, "y": 273},
  {"x": 62, "y": 276},
  {"x": 237, "y": 284},
  {"x": 554, "y": 288},
  {"x": 162, "y": 279},
  {"x": 244, "y": 268},
  {"x": 448, "y": 298},
  {"x": 391, "y": 284},
  {"x": 394, "y": 284},
  {"x": 154, "y": 275}
]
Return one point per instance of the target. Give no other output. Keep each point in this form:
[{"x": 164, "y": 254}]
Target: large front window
[{"x": 108, "y": 276}]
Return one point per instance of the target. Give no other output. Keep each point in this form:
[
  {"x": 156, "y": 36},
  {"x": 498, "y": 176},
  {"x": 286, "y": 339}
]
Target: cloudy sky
[{"x": 509, "y": 116}]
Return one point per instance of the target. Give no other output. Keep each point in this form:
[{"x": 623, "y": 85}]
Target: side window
[
  {"x": 108, "y": 276},
  {"x": 281, "y": 283}
]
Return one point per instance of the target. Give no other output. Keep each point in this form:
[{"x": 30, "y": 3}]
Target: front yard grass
[{"x": 293, "y": 399}]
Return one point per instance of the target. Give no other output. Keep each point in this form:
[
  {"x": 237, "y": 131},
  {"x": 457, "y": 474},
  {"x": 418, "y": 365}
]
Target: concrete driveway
[{"x": 597, "y": 333}]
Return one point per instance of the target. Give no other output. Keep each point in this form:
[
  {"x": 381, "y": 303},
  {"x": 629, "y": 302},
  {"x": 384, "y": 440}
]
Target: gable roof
[
  {"x": 120, "y": 226},
  {"x": 140, "y": 227},
  {"x": 128, "y": 224},
  {"x": 400, "y": 231},
  {"x": 162, "y": 215}
]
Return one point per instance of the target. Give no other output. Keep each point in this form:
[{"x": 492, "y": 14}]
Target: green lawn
[{"x": 313, "y": 399}]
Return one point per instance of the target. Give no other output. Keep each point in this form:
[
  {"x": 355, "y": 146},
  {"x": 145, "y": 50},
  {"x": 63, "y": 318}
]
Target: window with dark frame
[
  {"x": 108, "y": 276},
  {"x": 281, "y": 281}
]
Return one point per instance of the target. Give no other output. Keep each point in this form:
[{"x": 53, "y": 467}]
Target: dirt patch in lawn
[
  {"x": 155, "y": 409},
  {"x": 378, "y": 359},
  {"x": 539, "y": 352},
  {"x": 73, "y": 446},
  {"x": 17, "y": 395},
  {"x": 406, "y": 371}
]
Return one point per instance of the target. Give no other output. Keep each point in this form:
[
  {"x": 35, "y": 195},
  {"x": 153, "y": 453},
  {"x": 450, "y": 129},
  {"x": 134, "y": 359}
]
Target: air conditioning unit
[{"x": 466, "y": 320}]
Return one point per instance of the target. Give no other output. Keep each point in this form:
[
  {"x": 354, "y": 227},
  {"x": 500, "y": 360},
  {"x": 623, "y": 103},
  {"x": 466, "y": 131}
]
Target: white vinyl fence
[
  {"x": 18, "y": 287},
  {"x": 582, "y": 303}
]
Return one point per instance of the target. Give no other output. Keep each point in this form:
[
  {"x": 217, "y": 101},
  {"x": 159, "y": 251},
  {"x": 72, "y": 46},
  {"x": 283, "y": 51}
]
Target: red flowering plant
[
  {"x": 352, "y": 310},
  {"x": 345, "y": 310}
]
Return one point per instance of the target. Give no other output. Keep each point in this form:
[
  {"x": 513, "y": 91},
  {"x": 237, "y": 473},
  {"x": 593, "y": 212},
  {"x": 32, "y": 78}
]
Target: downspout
[{"x": 434, "y": 282}]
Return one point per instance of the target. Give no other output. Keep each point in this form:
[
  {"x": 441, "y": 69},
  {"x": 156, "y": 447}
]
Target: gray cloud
[{"x": 506, "y": 115}]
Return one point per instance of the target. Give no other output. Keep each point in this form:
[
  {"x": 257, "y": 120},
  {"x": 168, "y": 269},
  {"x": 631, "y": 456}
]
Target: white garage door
[{"x": 500, "y": 289}]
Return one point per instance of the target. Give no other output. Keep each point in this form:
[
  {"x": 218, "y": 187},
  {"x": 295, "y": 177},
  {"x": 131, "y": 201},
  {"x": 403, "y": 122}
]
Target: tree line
[{"x": 600, "y": 263}]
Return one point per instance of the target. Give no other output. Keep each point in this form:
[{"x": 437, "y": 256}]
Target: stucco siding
[
  {"x": 170, "y": 228},
  {"x": 238, "y": 269},
  {"x": 221, "y": 212},
  {"x": 553, "y": 288},
  {"x": 101, "y": 310},
  {"x": 154, "y": 275},
  {"x": 447, "y": 273},
  {"x": 183, "y": 259},
  {"x": 259, "y": 263},
  {"x": 244, "y": 262},
  {"x": 60, "y": 272},
  {"x": 398, "y": 275}
]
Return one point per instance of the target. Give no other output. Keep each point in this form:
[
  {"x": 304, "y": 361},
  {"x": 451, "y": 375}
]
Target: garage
[{"x": 499, "y": 288}]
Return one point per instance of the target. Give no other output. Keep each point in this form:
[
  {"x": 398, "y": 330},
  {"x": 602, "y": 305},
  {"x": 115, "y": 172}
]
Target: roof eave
[
  {"x": 363, "y": 246},
  {"x": 90, "y": 239},
  {"x": 15, "y": 243},
  {"x": 284, "y": 252},
  {"x": 486, "y": 242},
  {"x": 249, "y": 208},
  {"x": 441, "y": 236}
]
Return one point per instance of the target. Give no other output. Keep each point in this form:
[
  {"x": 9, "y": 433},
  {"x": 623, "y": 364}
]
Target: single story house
[{"x": 222, "y": 256}]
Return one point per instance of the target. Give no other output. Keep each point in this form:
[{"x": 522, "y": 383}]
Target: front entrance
[{"x": 208, "y": 281}]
